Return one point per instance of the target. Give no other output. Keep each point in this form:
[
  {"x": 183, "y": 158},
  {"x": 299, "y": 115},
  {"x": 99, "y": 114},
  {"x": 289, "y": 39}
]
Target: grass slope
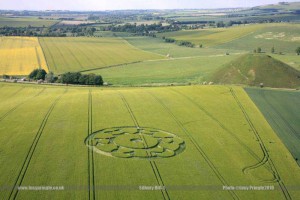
[
  {"x": 79, "y": 54},
  {"x": 253, "y": 69},
  {"x": 281, "y": 109},
  {"x": 41, "y": 146},
  {"x": 20, "y": 55}
]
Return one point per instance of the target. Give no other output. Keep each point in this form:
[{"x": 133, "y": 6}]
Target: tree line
[{"x": 66, "y": 78}]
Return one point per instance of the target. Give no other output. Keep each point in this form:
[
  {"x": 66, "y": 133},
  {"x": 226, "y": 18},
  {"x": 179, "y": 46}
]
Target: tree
[
  {"x": 258, "y": 50},
  {"x": 41, "y": 74},
  {"x": 50, "y": 78},
  {"x": 273, "y": 50},
  {"x": 37, "y": 74},
  {"x": 220, "y": 24},
  {"x": 298, "y": 51}
]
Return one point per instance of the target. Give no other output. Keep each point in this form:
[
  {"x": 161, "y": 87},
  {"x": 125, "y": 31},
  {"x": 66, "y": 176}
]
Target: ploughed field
[{"x": 190, "y": 142}]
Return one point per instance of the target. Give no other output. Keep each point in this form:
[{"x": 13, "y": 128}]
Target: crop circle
[{"x": 135, "y": 142}]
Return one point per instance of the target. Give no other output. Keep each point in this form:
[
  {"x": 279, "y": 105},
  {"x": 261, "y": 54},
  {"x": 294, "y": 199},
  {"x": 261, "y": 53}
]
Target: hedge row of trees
[
  {"x": 141, "y": 29},
  {"x": 66, "y": 78},
  {"x": 82, "y": 79},
  {"x": 180, "y": 43}
]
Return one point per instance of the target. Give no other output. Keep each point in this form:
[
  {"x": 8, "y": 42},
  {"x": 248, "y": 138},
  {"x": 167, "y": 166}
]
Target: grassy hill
[{"x": 253, "y": 69}]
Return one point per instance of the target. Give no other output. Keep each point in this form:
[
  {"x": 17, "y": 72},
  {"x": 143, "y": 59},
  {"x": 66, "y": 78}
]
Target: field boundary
[
  {"x": 91, "y": 166},
  {"x": 48, "y": 66},
  {"x": 14, "y": 192},
  {"x": 43, "y": 54},
  {"x": 194, "y": 142},
  {"x": 263, "y": 147}
]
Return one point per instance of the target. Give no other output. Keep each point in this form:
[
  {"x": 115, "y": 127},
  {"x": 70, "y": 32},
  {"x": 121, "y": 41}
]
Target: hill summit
[{"x": 253, "y": 69}]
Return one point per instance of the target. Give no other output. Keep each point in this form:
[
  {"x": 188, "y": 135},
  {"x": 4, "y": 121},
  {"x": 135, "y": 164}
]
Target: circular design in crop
[{"x": 135, "y": 142}]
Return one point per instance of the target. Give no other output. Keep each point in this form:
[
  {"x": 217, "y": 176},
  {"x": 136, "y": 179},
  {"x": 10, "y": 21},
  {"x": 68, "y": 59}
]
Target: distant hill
[
  {"x": 282, "y": 6},
  {"x": 253, "y": 69}
]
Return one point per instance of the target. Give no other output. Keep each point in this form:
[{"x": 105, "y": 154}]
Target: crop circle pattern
[{"x": 135, "y": 142}]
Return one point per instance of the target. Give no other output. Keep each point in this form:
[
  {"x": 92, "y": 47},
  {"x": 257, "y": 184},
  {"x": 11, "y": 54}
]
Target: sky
[{"x": 128, "y": 4}]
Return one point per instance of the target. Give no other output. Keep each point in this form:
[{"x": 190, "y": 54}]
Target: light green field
[
  {"x": 213, "y": 37},
  {"x": 284, "y": 38},
  {"x": 79, "y": 54},
  {"x": 157, "y": 45},
  {"x": 25, "y": 22},
  {"x": 45, "y": 133},
  {"x": 281, "y": 109},
  {"x": 20, "y": 55},
  {"x": 178, "y": 70}
]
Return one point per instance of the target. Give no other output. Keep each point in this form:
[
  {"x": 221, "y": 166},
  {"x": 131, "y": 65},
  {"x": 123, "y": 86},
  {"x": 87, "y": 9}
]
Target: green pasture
[{"x": 176, "y": 70}]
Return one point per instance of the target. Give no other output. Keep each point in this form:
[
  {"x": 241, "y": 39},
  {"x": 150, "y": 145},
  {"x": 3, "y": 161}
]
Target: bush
[
  {"x": 298, "y": 51},
  {"x": 186, "y": 43},
  {"x": 169, "y": 40},
  {"x": 37, "y": 74}
]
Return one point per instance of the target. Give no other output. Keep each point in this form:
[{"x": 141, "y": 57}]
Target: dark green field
[{"x": 281, "y": 109}]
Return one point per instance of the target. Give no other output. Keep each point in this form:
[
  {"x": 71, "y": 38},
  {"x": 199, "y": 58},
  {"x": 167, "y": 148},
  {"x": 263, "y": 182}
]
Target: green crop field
[
  {"x": 20, "y": 55},
  {"x": 80, "y": 54},
  {"x": 25, "y": 22},
  {"x": 177, "y": 70},
  {"x": 281, "y": 109},
  {"x": 190, "y": 142}
]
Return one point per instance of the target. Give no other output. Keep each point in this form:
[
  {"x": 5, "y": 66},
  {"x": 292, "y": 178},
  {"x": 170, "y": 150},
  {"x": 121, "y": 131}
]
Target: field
[
  {"x": 281, "y": 109},
  {"x": 25, "y": 22},
  {"x": 284, "y": 38},
  {"x": 177, "y": 70},
  {"x": 213, "y": 37},
  {"x": 158, "y": 46},
  {"x": 20, "y": 55},
  {"x": 115, "y": 141},
  {"x": 81, "y": 54}
]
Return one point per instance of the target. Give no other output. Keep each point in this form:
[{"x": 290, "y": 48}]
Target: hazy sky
[{"x": 127, "y": 4}]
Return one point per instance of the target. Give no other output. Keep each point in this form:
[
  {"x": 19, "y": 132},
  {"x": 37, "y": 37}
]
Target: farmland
[
  {"x": 284, "y": 38},
  {"x": 281, "y": 109},
  {"x": 231, "y": 145},
  {"x": 20, "y": 55},
  {"x": 213, "y": 37},
  {"x": 177, "y": 70},
  {"x": 25, "y": 22},
  {"x": 80, "y": 54}
]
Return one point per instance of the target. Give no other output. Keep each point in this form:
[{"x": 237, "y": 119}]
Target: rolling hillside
[{"x": 253, "y": 69}]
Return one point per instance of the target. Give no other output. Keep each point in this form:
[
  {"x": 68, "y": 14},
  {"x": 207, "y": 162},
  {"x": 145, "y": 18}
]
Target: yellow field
[{"x": 20, "y": 55}]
